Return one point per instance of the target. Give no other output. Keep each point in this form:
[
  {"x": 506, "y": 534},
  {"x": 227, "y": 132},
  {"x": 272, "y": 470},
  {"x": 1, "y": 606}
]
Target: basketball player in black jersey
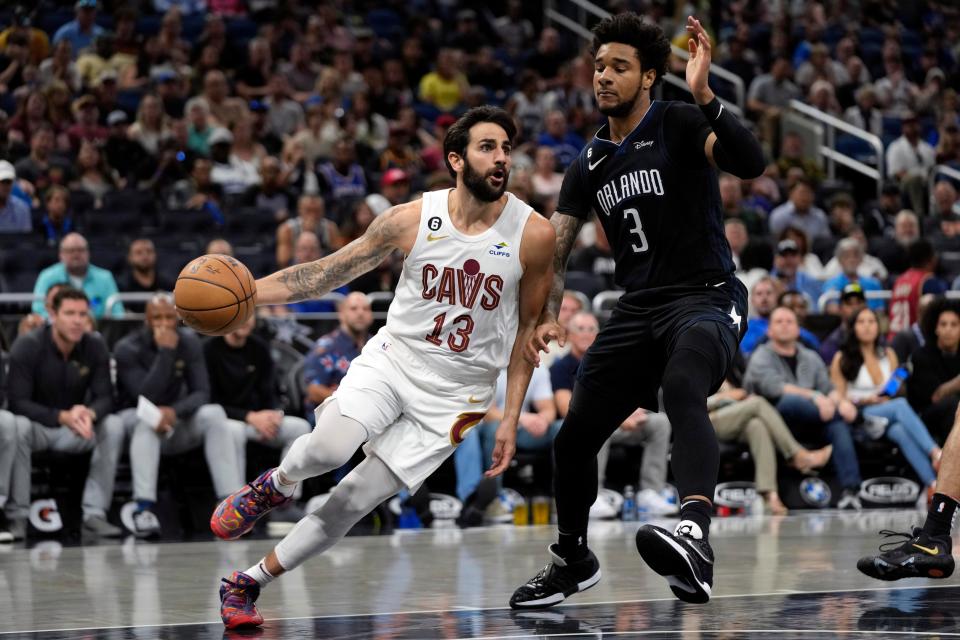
[{"x": 650, "y": 176}]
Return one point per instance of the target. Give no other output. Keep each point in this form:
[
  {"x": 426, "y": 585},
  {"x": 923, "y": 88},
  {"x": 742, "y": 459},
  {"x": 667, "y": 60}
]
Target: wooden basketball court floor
[{"x": 783, "y": 577}]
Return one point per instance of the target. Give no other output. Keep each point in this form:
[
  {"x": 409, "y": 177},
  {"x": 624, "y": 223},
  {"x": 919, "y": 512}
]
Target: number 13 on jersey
[{"x": 637, "y": 230}]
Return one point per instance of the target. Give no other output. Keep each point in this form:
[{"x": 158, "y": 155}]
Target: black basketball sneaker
[
  {"x": 920, "y": 556},
  {"x": 684, "y": 558},
  {"x": 557, "y": 581}
]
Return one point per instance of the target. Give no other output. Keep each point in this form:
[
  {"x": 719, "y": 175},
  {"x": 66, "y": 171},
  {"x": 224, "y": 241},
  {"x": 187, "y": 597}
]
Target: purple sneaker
[
  {"x": 238, "y": 593},
  {"x": 239, "y": 511}
]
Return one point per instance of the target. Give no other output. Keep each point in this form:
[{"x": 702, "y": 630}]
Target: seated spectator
[
  {"x": 141, "y": 275},
  {"x": 546, "y": 178},
  {"x": 242, "y": 381},
  {"x": 801, "y": 212},
  {"x": 246, "y": 152},
  {"x": 252, "y": 78},
  {"x": 399, "y": 154},
  {"x": 528, "y": 105},
  {"x": 57, "y": 220},
  {"x": 946, "y": 206},
  {"x": 909, "y": 161},
  {"x": 42, "y": 168},
  {"x": 271, "y": 193},
  {"x": 892, "y": 251},
  {"x": 948, "y": 144},
  {"x": 852, "y": 301},
  {"x": 60, "y": 66},
  {"x": 93, "y": 174},
  {"x": 446, "y": 86},
  {"x": 800, "y": 305},
  {"x": 81, "y": 31},
  {"x": 792, "y": 157},
  {"x": 125, "y": 158},
  {"x": 795, "y": 380},
  {"x": 285, "y": 116},
  {"x": 342, "y": 179},
  {"x": 61, "y": 408},
  {"x": 788, "y": 272},
  {"x": 301, "y": 72},
  {"x": 33, "y": 320},
  {"x": 865, "y": 114},
  {"x": 820, "y": 66},
  {"x": 395, "y": 186},
  {"x": 859, "y": 372},
  {"x": 87, "y": 127},
  {"x": 372, "y": 129},
  {"x": 763, "y": 300},
  {"x": 849, "y": 254},
  {"x": 226, "y": 171},
  {"x": 14, "y": 61},
  {"x": 918, "y": 280},
  {"x": 14, "y": 212},
  {"x": 934, "y": 385},
  {"x": 822, "y": 96},
  {"x": 225, "y": 110},
  {"x": 219, "y": 246},
  {"x": 731, "y": 195},
  {"x": 841, "y": 211},
  {"x": 642, "y": 427},
  {"x": 946, "y": 242},
  {"x": 164, "y": 364},
  {"x": 879, "y": 216},
  {"x": 74, "y": 267},
  {"x": 738, "y": 416},
  {"x": 870, "y": 266},
  {"x": 310, "y": 217},
  {"x": 325, "y": 366},
  {"x": 809, "y": 261},
  {"x": 150, "y": 126},
  {"x": 197, "y": 112},
  {"x": 197, "y": 190},
  {"x": 565, "y": 143}
]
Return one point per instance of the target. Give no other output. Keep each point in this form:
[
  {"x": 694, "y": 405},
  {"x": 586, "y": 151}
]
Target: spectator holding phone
[{"x": 867, "y": 374}]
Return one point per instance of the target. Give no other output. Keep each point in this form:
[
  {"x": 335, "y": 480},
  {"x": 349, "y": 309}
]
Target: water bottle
[{"x": 629, "y": 504}]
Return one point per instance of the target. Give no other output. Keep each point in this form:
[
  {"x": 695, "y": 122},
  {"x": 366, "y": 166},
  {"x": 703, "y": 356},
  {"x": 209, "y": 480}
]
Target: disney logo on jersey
[
  {"x": 629, "y": 185},
  {"x": 499, "y": 250},
  {"x": 462, "y": 286},
  {"x": 642, "y": 144}
]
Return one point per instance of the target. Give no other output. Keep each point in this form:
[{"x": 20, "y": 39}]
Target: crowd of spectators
[{"x": 134, "y": 136}]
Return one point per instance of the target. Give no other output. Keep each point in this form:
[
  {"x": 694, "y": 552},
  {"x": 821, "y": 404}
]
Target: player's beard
[
  {"x": 621, "y": 109},
  {"x": 476, "y": 183}
]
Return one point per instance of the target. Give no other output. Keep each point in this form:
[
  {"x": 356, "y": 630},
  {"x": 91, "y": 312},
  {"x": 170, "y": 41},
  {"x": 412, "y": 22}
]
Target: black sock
[
  {"x": 698, "y": 512},
  {"x": 940, "y": 516},
  {"x": 572, "y": 546}
]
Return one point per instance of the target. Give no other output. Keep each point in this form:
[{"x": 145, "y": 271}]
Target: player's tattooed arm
[
  {"x": 567, "y": 229},
  {"x": 389, "y": 231}
]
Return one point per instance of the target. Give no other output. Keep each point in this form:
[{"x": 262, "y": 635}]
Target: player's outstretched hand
[
  {"x": 503, "y": 450},
  {"x": 542, "y": 336},
  {"x": 698, "y": 66}
]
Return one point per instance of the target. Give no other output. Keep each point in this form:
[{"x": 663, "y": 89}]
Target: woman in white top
[
  {"x": 151, "y": 124},
  {"x": 859, "y": 372},
  {"x": 546, "y": 179}
]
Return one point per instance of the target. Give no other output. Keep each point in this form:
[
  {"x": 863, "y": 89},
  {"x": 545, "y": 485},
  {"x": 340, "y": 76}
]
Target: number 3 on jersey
[
  {"x": 637, "y": 229},
  {"x": 458, "y": 340}
]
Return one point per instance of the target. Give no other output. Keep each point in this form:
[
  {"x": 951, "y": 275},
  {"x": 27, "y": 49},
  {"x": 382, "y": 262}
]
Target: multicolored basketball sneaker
[
  {"x": 238, "y": 593},
  {"x": 239, "y": 511}
]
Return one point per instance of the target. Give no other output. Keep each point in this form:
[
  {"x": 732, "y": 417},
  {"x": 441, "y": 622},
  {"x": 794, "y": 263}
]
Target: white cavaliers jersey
[{"x": 456, "y": 307}]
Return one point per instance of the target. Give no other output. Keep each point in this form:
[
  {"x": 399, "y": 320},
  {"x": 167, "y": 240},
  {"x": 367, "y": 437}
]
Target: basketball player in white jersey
[{"x": 475, "y": 278}]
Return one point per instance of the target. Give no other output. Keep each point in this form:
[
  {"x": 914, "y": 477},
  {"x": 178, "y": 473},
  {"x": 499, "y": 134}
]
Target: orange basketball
[{"x": 215, "y": 294}]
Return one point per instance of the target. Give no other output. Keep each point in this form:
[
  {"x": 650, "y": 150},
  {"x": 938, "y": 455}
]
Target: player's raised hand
[
  {"x": 540, "y": 341},
  {"x": 503, "y": 450},
  {"x": 698, "y": 66}
]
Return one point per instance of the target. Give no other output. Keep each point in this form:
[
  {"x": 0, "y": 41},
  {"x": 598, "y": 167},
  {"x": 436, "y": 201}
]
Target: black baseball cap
[{"x": 852, "y": 290}]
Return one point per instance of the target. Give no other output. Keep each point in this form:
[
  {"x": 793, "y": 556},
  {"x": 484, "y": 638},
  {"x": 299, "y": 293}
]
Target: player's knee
[
  {"x": 679, "y": 391},
  {"x": 211, "y": 415},
  {"x": 112, "y": 429}
]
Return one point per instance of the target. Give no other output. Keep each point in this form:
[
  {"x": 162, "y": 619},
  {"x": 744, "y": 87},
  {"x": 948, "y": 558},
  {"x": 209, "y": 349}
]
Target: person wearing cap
[
  {"x": 87, "y": 126},
  {"x": 395, "y": 186},
  {"x": 14, "y": 212},
  {"x": 800, "y": 211},
  {"x": 225, "y": 171},
  {"x": 849, "y": 254},
  {"x": 124, "y": 155},
  {"x": 909, "y": 161},
  {"x": 851, "y": 301},
  {"x": 82, "y": 30},
  {"x": 788, "y": 272}
]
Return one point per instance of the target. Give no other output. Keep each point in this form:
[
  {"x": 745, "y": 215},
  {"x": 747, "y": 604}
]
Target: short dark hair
[
  {"x": 652, "y": 45},
  {"x": 920, "y": 253},
  {"x": 68, "y": 293},
  {"x": 458, "y": 135}
]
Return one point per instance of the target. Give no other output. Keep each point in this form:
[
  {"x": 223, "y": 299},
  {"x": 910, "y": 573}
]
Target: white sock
[
  {"x": 281, "y": 486},
  {"x": 259, "y": 573}
]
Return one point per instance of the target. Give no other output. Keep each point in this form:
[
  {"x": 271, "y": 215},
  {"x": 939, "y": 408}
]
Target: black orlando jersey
[{"x": 658, "y": 200}]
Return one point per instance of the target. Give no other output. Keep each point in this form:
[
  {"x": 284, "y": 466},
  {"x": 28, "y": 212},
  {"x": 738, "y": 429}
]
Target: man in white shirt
[{"x": 909, "y": 161}]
